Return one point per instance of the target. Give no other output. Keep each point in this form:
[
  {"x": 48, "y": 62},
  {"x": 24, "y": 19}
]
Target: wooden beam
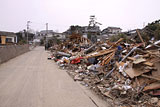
[
  {"x": 116, "y": 43},
  {"x": 151, "y": 77},
  {"x": 108, "y": 58},
  {"x": 100, "y": 53},
  {"x": 140, "y": 37}
]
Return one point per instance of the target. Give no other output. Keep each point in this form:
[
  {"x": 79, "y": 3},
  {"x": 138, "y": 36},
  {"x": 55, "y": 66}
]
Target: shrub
[{"x": 117, "y": 37}]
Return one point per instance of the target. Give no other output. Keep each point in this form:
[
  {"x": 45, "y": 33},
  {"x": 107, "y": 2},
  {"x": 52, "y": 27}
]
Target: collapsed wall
[{"x": 11, "y": 51}]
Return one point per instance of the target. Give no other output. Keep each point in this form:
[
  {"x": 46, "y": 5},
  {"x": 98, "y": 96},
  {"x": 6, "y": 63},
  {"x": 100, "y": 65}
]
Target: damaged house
[{"x": 110, "y": 31}]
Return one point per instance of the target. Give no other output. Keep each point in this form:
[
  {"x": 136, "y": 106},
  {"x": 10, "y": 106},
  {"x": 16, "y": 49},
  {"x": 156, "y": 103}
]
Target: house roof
[
  {"x": 4, "y": 33},
  {"x": 46, "y": 31},
  {"x": 114, "y": 28}
]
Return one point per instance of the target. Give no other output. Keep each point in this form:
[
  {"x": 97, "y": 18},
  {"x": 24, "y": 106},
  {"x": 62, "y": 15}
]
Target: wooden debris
[
  {"x": 108, "y": 58},
  {"x": 132, "y": 72},
  {"x": 107, "y": 94},
  {"x": 151, "y": 77},
  {"x": 117, "y": 43},
  {"x": 140, "y": 37},
  {"x": 148, "y": 63},
  {"x": 100, "y": 53},
  {"x": 114, "y": 70},
  {"x": 152, "y": 86}
]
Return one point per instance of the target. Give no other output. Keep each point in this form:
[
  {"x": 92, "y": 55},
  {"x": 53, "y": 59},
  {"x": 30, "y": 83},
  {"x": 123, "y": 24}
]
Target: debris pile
[{"x": 127, "y": 73}]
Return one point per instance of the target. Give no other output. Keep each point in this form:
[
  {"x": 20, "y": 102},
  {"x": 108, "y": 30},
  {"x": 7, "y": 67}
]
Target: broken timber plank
[
  {"x": 140, "y": 37},
  {"x": 132, "y": 72},
  {"x": 108, "y": 58},
  {"x": 116, "y": 43},
  {"x": 89, "y": 48},
  {"x": 151, "y": 77},
  {"x": 100, "y": 53},
  {"x": 148, "y": 63},
  {"x": 152, "y": 86}
]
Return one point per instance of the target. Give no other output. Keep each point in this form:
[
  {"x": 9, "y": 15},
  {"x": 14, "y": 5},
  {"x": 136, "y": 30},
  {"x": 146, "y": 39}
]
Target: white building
[{"x": 110, "y": 31}]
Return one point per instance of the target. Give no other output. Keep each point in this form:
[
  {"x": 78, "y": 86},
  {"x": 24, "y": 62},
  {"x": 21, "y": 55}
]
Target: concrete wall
[{"x": 11, "y": 51}]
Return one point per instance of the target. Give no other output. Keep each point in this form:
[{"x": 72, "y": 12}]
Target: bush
[
  {"x": 117, "y": 37},
  {"x": 22, "y": 42}
]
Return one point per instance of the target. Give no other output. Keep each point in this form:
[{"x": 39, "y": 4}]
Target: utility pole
[
  {"x": 27, "y": 30},
  {"x": 46, "y": 32},
  {"x": 46, "y": 28}
]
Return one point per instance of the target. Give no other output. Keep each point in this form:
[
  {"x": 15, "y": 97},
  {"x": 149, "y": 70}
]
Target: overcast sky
[{"x": 60, "y": 14}]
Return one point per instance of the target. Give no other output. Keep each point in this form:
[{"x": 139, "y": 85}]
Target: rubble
[
  {"x": 128, "y": 73},
  {"x": 154, "y": 100}
]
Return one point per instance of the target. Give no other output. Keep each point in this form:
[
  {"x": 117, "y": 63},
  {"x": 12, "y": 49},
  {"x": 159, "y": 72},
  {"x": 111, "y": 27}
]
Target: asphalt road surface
[{"x": 30, "y": 80}]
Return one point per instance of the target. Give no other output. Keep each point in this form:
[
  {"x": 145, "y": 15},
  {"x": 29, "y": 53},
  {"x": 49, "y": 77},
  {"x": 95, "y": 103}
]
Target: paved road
[{"x": 30, "y": 80}]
